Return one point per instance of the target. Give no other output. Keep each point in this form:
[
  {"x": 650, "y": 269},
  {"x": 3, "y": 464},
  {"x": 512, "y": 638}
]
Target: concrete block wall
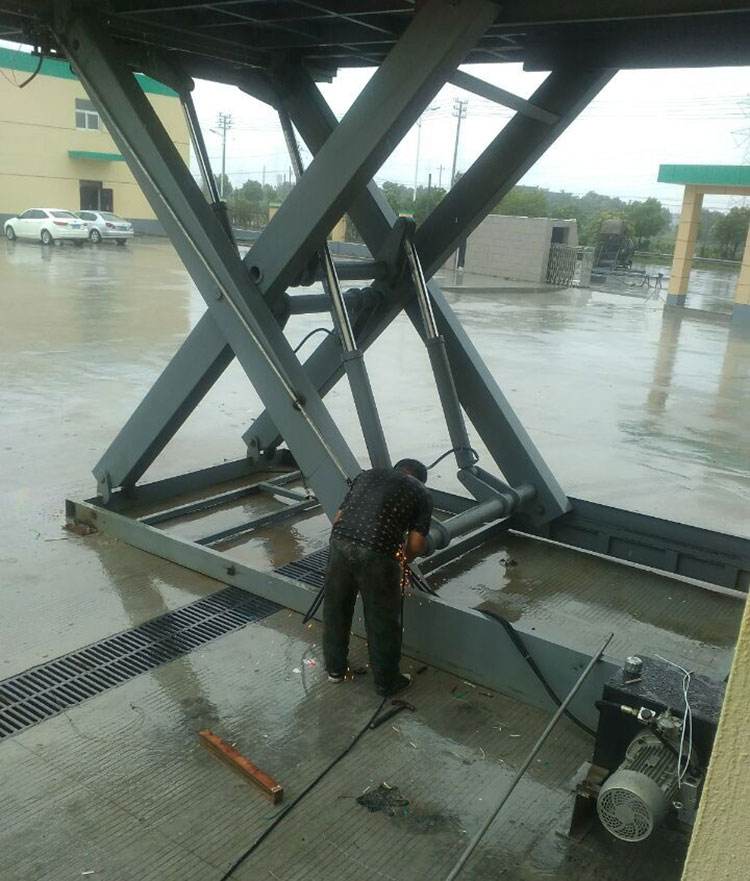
[{"x": 515, "y": 248}]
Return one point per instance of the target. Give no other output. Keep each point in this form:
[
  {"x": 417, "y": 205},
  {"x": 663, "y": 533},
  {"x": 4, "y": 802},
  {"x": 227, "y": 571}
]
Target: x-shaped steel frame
[{"x": 247, "y": 303}]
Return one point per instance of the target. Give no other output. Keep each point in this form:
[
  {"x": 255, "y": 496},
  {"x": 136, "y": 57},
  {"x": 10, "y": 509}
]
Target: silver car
[{"x": 105, "y": 225}]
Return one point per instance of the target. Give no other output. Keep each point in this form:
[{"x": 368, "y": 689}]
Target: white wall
[{"x": 515, "y": 248}]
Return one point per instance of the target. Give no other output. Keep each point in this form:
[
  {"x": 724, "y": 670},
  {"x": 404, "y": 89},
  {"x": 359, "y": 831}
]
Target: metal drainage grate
[
  {"x": 51, "y": 688},
  {"x": 309, "y": 570}
]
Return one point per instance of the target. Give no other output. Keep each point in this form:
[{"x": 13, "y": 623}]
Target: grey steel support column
[
  {"x": 354, "y": 362},
  {"x": 239, "y": 311}
]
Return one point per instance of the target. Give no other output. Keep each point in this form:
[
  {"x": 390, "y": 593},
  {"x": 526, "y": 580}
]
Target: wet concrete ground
[{"x": 630, "y": 405}]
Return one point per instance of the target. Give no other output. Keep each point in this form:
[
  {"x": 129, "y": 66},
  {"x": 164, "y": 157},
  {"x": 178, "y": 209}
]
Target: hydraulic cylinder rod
[
  {"x": 502, "y": 504},
  {"x": 204, "y": 163},
  {"x": 354, "y": 364},
  {"x": 441, "y": 369}
]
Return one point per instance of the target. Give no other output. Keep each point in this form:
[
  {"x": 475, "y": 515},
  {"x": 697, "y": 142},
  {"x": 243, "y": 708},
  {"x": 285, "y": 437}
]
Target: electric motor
[{"x": 636, "y": 797}]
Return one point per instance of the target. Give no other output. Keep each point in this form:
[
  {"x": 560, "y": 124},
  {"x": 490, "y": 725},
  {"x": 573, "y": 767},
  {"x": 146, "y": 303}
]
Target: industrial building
[{"x": 55, "y": 149}]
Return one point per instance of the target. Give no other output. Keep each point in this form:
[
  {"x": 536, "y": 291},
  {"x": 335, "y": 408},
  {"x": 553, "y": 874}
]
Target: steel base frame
[
  {"x": 462, "y": 641},
  {"x": 248, "y": 305}
]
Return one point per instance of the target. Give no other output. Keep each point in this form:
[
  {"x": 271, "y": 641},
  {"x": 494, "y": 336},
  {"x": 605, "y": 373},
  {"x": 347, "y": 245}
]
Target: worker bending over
[{"x": 386, "y": 511}]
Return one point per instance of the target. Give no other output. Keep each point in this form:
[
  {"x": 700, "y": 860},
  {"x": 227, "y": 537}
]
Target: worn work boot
[
  {"x": 403, "y": 681},
  {"x": 351, "y": 672}
]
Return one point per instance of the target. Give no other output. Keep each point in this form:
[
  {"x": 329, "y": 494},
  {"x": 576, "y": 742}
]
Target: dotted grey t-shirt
[{"x": 381, "y": 506}]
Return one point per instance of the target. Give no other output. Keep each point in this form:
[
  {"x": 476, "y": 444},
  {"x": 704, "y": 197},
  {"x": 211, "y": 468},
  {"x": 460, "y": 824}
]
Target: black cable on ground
[
  {"x": 292, "y": 804},
  {"x": 315, "y": 605},
  {"x": 308, "y": 335},
  {"x": 473, "y": 452},
  {"x": 515, "y": 638},
  {"x": 310, "y": 786}
]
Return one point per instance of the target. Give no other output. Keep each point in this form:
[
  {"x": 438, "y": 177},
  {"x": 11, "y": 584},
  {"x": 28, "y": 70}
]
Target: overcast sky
[{"x": 641, "y": 119}]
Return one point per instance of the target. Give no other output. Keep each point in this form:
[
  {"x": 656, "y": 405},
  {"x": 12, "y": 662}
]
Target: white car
[
  {"x": 105, "y": 225},
  {"x": 47, "y": 225}
]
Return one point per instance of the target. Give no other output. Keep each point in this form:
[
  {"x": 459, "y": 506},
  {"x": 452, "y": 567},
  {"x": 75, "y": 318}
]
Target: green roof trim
[
  {"x": 97, "y": 157},
  {"x": 13, "y": 59},
  {"x": 706, "y": 175}
]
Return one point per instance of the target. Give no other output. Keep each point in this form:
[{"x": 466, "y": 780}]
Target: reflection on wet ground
[{"x": 629, "y": 405}]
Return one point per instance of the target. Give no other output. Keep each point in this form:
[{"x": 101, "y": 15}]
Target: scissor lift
[{"x": 250, "y": 299}]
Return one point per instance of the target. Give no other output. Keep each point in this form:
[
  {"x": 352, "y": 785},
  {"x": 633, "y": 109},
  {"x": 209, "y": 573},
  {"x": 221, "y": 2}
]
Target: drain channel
[
  {"x": 309, "y": 570},
  {"x": 44, "y": 691}
]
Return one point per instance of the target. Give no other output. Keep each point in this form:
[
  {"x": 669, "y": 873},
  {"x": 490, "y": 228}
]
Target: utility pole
[
  {"x": 416, "y": 162},
  {"x": 223, "y": 123},
  {"x": 429, "y": 183},
  {"x": 440, "y": 176},
  {"x": 459, "y": 111},
  {"x": 263, "y": 177},
  {"x": 460, "y": 108},
  {"x": 419, "y": 138}
]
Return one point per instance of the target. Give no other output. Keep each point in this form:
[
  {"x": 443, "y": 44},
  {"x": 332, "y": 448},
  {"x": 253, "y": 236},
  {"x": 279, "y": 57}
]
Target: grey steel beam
[
  {"x": 565, "y": 92},
  {"x": 306, "y": 304},
  {"x": 460, "y": 640},
  {"x": 237, "y": 307},
  {"x": 499, "y": 167},
  {"x": 218, "y": 500},
  {"x": 414, "y": 71},
  {"x": 183, "y": 384},
  {"x": 493, "y": 416},
  {"x": 315, "y": 121},
  {"x": 675, "y": 548},
  {"x": 145, "y": 495},
  {"x": 500, "y": 96},
  {"x": 271, "y": 519}
]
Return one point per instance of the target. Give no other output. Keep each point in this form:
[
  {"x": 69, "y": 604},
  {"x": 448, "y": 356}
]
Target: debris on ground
[
  {"x": 227, "y": 753},
  {"x": 385, "y": 798}
]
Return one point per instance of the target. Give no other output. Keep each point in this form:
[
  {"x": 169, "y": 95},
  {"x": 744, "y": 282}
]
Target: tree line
[{"x": 647, "y": 222}]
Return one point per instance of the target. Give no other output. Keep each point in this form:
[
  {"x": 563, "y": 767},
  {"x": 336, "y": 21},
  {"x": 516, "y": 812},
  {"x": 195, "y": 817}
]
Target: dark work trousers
[{"x": 354, "y": 569}]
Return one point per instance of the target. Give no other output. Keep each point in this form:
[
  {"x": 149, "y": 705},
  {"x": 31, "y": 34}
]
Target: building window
[{"x": 86, "y": 116}]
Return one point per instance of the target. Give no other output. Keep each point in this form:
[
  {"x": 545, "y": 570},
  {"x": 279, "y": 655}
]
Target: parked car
[
  {"x": 47, "y": 225},
  {"x": 105, "y": 225}
]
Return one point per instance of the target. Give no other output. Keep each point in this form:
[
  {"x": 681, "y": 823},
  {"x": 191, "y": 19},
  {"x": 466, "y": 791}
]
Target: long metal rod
[
  {"x": 470, "y": 848},
  {"x": 420, "y": 288},
  {"x": 199, "y": 145},
  {"x": 204, "y": 163},
  {"x": 354, "y": 364}
]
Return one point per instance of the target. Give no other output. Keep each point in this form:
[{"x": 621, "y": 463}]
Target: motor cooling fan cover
[{"x": 624, "y": 812}]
